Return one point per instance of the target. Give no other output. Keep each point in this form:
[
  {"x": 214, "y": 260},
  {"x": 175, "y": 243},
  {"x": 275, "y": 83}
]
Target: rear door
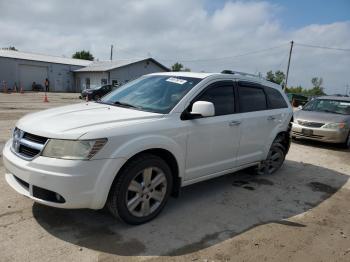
[{"x": 258, "y": 122}]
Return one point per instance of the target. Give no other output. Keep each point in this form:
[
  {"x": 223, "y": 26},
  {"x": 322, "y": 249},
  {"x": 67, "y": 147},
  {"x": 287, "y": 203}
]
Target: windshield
[
  {"x": 328, "y": 106},
  {"x": 157, "y": 94}
]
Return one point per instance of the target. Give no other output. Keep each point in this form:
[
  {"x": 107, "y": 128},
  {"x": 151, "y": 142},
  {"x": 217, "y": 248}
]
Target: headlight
[
  {"x": 335, "y": 125},
  {"x": 73, "y": 149}
]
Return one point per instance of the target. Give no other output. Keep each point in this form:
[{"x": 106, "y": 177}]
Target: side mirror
[{"x": 203, "y": 108}]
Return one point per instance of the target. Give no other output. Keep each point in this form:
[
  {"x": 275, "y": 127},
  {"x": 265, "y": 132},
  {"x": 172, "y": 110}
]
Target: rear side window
[
  {"x": 275, "y": 98},
  {"x": 251, "y": 99},
  {"x": 221, "y": 95}
]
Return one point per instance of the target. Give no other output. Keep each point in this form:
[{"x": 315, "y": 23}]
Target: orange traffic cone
[{"x": 46, "y": 100}]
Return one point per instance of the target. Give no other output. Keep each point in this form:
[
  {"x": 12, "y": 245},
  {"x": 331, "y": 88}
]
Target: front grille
[
  {"x": 27, "y": 145},
  {"x": 35, "y": 138},
  {"x": 310, "y": 124},
  {"x": 28, "y": 151},
  {"x": 305, "y": 135}
]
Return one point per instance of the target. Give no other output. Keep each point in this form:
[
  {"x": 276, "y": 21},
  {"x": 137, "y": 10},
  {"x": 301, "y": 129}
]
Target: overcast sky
[{"x": 203, "y": 35}]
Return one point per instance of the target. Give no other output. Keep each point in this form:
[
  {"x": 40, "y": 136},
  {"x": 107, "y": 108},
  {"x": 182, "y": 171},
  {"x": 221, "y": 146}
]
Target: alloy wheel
[
  {"x": 273, "y": 161},
  {"x": 146, "y": 192}
]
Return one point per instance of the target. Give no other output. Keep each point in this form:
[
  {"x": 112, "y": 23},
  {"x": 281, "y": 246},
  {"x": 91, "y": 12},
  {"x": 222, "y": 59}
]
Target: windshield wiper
[{"x": 118, "y": 103}]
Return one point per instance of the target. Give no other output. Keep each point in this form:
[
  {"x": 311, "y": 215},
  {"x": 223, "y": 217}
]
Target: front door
[{"x": 213, "y": 141}]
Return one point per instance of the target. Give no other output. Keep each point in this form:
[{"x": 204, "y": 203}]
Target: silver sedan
[{"x": 324, "y": 119}]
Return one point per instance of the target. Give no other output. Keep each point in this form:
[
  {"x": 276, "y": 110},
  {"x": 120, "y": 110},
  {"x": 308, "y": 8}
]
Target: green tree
[
  {"x": 317, "y": 81},
  {"x": 295, "y": 90},
  {"x": 86, "y": 55},
  {"x": 317, "y": 89},
  {"x": 12, "y": 48},
  {"x": 277, "y": 77},
  {"x": 177, "y": 67}
]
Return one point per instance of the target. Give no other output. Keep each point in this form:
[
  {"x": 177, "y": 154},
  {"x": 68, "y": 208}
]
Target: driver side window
[{"x": 221, "y": 94}]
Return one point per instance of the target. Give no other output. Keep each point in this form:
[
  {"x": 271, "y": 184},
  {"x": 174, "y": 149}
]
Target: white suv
[{"x": 144, "y": 141}]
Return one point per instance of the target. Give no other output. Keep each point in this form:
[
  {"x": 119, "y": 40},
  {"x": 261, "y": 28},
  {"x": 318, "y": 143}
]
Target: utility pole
[
  {"x": 290, "y": 56},
  {"x": 111, "y": 52}
]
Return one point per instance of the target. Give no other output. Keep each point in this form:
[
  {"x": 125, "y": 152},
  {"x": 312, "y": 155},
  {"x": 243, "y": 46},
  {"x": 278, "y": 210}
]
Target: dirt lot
[{"x": 301, "y": 213}]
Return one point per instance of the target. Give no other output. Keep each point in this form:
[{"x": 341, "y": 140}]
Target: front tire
[
  {"x": 347, "y": 142},
  {"x": 141, "y": 190}
]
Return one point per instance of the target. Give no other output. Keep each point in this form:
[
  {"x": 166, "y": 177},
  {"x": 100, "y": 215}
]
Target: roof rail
[{"x": 240, "y": 73}]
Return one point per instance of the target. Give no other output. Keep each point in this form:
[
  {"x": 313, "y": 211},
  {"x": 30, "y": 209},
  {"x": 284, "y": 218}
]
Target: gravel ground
[{"x": 301, "y": 213}]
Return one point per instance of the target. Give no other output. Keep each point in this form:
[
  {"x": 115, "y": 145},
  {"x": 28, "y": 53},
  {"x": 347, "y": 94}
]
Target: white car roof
[
  {"x": 238, "y": 76},
  {"x": 186, "y": 74}
]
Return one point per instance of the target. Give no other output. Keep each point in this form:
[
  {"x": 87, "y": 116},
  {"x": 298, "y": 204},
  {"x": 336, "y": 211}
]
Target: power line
[
  {"x": 323, "y": 47},
  {"x": 225, "y": 58},
  {"x": 283, "y": 60}
]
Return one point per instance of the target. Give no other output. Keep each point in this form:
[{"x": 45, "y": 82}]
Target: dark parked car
[
  {"x": 97, "y": 92},
  {"x": 37, "y": 87},
  {"x": 297, "y": 99}
]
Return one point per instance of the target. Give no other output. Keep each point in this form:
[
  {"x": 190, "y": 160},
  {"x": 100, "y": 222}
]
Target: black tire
[
  {"x": 346, "y": 144},
  {"x": 117, "y": 199},
  {"x": 96, "y": 98},
  {"x": 266, "y": 167}
]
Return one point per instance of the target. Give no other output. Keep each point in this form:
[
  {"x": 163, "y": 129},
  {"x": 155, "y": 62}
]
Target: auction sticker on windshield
[{"x": 176, "y": 80}]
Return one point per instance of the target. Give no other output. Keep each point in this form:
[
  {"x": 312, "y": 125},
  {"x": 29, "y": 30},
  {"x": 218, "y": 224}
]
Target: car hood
[
  {"x": 87, "y": 91},
  {"x": 73, "y": 121},
  {"x": 320, "y": 117}
]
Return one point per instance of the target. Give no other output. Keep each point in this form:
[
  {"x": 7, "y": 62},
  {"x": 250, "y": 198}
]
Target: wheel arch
[
  {"x": 164, "y": 154},
  {"x": 284, "y": 138}
]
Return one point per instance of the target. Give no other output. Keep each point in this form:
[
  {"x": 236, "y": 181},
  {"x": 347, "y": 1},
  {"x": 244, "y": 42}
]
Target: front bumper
[
  {"x": 320, "y": 134},
  {"x": 82, "y": 184}
]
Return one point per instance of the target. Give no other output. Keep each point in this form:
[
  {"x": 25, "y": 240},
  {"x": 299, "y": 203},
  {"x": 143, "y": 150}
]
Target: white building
[
  {"x": 68, "y": 74},
  {"x": 23, "y": 69},
  {"x": 116, "y": 72}
]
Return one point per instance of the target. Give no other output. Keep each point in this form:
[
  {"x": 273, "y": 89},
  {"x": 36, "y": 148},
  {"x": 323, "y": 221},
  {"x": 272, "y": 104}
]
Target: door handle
[
  {"x": 271, "y": 118},
  {"x": 234, "y": 123}
]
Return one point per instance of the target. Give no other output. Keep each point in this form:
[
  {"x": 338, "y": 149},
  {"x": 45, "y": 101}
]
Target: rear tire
[
  {"x": 274, "y": 160},
  {"x": 141, "y": 189}
]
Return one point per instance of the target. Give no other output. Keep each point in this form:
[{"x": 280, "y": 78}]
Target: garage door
[{"x": 30, "y": 73}]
